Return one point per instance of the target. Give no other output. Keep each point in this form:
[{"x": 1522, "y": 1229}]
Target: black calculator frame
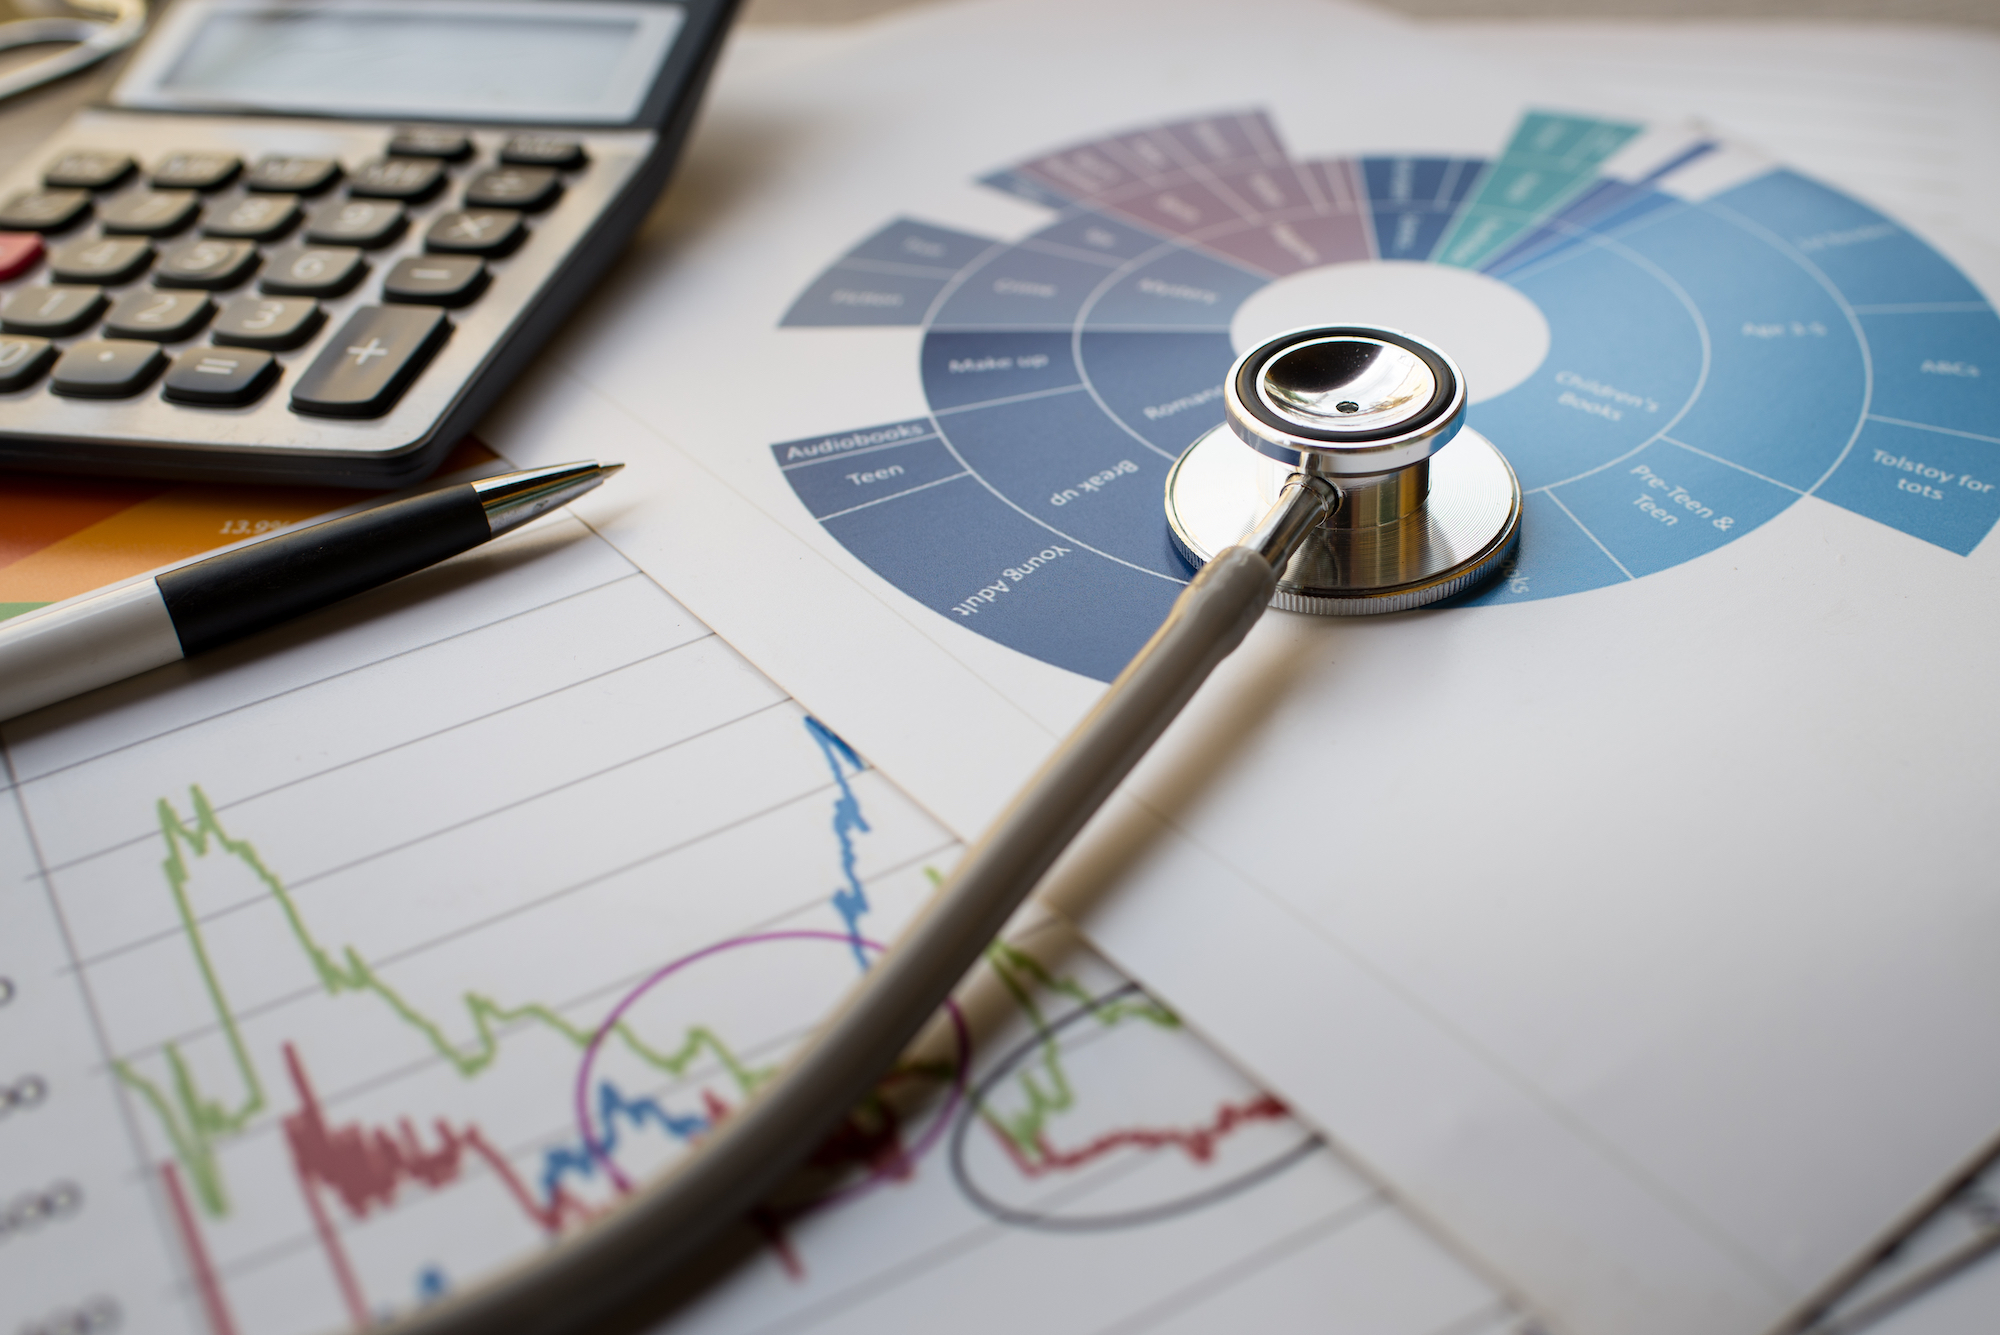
[{"x": 664, "y": 118}]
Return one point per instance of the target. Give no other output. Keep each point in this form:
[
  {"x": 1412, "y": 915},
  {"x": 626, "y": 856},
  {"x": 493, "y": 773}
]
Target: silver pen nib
[{"x": 512, "y": 499}]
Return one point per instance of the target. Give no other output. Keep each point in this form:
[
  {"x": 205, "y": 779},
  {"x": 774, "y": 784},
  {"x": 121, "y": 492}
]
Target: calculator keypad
[{"x": 319, "y": 282}]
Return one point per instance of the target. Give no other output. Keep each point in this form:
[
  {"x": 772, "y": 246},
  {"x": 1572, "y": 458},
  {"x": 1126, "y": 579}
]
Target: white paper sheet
[{"x": 1642, "y": 907}]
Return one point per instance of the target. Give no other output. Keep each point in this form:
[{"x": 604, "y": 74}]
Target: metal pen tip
[{"x": 609, "y": 469}]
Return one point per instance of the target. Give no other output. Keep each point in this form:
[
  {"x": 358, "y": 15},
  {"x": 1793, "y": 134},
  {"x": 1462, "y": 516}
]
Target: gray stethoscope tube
[{"x": 1337, "y": 505}]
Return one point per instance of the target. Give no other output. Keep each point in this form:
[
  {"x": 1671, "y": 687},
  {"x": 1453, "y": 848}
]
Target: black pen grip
[{"x": 244, "y": 591}]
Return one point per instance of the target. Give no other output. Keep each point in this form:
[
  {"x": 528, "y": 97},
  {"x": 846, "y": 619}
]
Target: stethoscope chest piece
[{"x": 1371, "y": 410}]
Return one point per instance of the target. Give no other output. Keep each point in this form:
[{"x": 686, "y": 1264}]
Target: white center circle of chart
[{"x": 1496, "y": 334}]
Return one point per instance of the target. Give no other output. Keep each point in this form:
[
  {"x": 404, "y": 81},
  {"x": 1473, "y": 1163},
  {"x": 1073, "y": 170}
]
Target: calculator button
[
  {"x": 418, "y": 142},
  {"x": 252, "y": 217},
  {"x": 276, "y": 324},
  {"x": 356, "y": 222},
  {"x": 107, "y": 368},
  {"x": 312, "y": 271},
  {"x": 105, "y": 260},
  {"x": 398, "y": 178},
  {"x": 87, "y": 169},
  {"x": 44, "y": 210},
  {"x": 208, "y": 263},
  {"x": 51, "y": 311},
  {"x": 541, "y": 150},
  {"x": 365, "y": 368},
  {"x": 165, "y": 317},
  {"x": 475, "y": 232},
  {"x": 196, "y": 171},
  {"x": 436, "y": 280},
  {"x": 22, "y": 361},
  {"x": 19, "y": 252},
  {"x": 149, "y": 212},
  {"x": 296, "y": 176},
  {"x": 526, "y": 188},
  {"x": 219, "y": 377}
]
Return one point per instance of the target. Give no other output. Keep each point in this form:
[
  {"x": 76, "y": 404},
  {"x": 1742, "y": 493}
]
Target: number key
[
  {"x": 196, "y": 171},
  {"x": 166, "y": 317},
  {"x": 148, "y": 212},
  {"x": 297, "y": 176},
  {"x": 51, "y": 311},
  {"x": 107, "y": 368},
  {"x": 475, "y": 232},
  {"x": 106, "y": 260},
  {"x": 219, "y": 377},
  {"x": 44, "y": 210},
  {"x": 87, "y": 169},
  {"x": 22, "y": 361},
  {"x": 207, "y": 263},
  {"x": 313, "y": 271},
  {"x": 356, "y": 222},
  {"x": 275, "y": 324},
  {"x": 527, "y": 188},
  {"x": 435, "y": 280},
  {"x": 252, "y": 217},
  {"x": 412, "y": 179},
  {"x": 365, "y": 368}
]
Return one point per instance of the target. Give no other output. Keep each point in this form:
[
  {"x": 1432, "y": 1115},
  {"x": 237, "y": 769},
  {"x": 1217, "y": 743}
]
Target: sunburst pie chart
[{"x": 1671, "y": 339}]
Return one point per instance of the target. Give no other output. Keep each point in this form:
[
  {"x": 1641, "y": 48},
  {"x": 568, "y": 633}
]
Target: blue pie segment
[{"x": 1716, "y": 352}]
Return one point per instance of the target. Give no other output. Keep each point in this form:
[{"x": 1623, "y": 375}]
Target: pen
[{"x": 122, "y": 631}]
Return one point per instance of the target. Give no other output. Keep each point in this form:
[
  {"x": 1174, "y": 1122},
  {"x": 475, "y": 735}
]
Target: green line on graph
[
  {"x": 195, "y": 1122},
  {"x": 1046, "y": 1088}
]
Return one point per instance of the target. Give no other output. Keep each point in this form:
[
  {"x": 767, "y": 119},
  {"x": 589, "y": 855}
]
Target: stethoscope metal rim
[
  {"x": 1342, "y": 453},
  {"x": 1465, "y": 529}
]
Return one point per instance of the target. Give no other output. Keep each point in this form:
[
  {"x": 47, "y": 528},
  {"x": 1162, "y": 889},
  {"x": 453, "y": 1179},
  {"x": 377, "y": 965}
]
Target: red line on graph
[
  {"x": 367, "y": 1166},
  {"x": 1198, "y": 1143},
  {"x": 205, "y": 1281}
]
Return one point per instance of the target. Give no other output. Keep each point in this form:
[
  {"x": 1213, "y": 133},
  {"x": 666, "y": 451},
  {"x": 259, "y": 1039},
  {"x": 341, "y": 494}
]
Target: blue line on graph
[
  {"x": 851, "y": 902},
  {"x": 612, "y": 1109}
]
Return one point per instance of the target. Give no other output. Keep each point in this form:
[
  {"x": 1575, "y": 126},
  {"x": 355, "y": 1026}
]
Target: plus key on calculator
[{"x": 263, "y": 261}]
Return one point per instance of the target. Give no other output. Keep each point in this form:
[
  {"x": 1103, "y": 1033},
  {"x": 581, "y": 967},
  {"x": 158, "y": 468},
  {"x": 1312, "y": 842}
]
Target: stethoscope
[{"x": 1326, "y": 489}]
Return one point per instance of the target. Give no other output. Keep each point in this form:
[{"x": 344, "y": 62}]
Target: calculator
[{"x": 312, "y": 240}]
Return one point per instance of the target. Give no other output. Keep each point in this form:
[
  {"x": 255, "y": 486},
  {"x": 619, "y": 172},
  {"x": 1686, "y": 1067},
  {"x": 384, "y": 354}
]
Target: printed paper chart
[{"x": 1670, "y": 357}]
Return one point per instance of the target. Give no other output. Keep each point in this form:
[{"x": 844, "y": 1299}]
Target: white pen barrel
[{"x": 58, "y": 652}]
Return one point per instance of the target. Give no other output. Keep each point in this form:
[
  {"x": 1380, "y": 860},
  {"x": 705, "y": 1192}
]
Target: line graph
[{"x": 346, "y": 981}]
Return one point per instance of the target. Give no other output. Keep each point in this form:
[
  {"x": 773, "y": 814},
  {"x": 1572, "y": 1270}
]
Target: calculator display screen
[{"x": 514, "y": 60}]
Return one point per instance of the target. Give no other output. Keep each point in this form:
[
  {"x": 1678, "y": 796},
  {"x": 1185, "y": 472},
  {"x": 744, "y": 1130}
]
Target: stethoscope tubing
[{"x": 641, "y": 1246}]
